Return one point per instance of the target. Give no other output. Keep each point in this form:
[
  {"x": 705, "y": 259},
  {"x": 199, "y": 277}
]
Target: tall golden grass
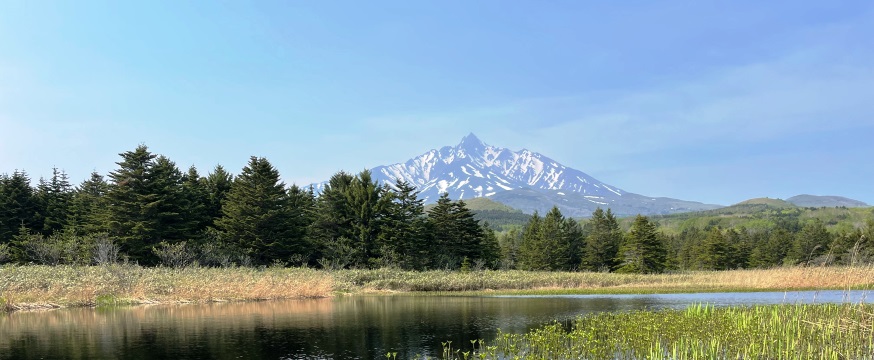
[
  {"x": 36, "y": 286},
  {"x": 785, "y": 278}
]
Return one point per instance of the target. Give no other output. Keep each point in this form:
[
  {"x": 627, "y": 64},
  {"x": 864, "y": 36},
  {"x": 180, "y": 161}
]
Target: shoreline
[{"x": 38, "y": 288}]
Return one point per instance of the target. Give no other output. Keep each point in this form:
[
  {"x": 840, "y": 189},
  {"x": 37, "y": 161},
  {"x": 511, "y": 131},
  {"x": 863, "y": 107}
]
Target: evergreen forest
[{"x": 150, "y": 212}]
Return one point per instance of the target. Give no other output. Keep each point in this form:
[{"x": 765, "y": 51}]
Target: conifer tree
[
  {"x": 17, "y": 205},
  {"x": 772, "y": 251},
  {"x": 257, "y": 215},
  {"x": 132, "y": 205},
  {"x": 455, "y": 232},
  {"x": 714, "y": 251},
  {"x": 218, "y": 184},
  {"x": 194, "y": 203},
  {"x": 602, "y": 241},
  {"x": 171, "y": 207},
  {"x": 403, "y": 234},
  {"x": 367, "y": 210},
  {"x": 811, "y": 242},
  {"x": 642, "y": 250},
  {"x": 330, "y": 230},
  {"x": 89, "y": 206},
  {"x": 53, "y": 198},
  {"x": 531, "y": 256}
]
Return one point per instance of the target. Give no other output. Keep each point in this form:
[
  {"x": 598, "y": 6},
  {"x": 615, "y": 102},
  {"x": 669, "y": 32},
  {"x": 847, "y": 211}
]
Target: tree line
[{"x": 148, "y": 211}]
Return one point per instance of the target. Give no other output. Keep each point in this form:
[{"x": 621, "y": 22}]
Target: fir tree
[
  {"x": 53, "y": 199},
  {"x": 132, "y": 205},
  {"x": 642, "y": 250},
  {"x": 218, "y": 184},
  {"x": 257, "y": 215},
  {"x": 455, "y": 232},
  {"x": 89, "y": 209},
  {"x": 17, "y": 205},
  {"x": 811, "y": 242},
  {"x": 403, "y": 234},
  {"x": 602, "y": 241}
]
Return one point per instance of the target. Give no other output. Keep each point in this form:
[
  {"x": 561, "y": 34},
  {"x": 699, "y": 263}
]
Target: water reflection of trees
[{"x": 345, "y": 327}]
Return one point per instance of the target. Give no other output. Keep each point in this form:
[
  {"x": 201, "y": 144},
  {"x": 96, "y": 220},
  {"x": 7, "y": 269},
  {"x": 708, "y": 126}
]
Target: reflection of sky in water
[
  {"x": 346, "y": 327},
  {"x": 680, "y": 301}
]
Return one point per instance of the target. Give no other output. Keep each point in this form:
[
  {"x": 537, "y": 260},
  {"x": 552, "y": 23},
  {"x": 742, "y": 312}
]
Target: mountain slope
[
  {"x": 473, "y": 169},
  {"x": 824, "y": 201},
  {"x": 522, "y": 179}
]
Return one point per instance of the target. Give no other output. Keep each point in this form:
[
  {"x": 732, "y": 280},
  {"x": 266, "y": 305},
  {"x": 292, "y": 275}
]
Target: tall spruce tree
[
  {"x": 133, "y": 205},
  {"x": 367, "y": 209},
  {"x": 195, "y": 202},
  {"x": 257, "y": 215},
  {"x": 53, "y": 199},
  {"x": 403, "y": 235},
  {"x": 18, "y": 206},
  {"x": 218, "y": 184},
  {"x": 89, "y": 206},
  {"x": 455, "y": 232},
  {"x": 330, "y": 230},
  {"x": 714, "y": 252},
  {"x": 550, "y": 243},
  {"x": 642, "y": 250},
  {"x": 812, "y": 241},
  {"x": 171, "y": 207},
  {"x": 602, "y": 241}
]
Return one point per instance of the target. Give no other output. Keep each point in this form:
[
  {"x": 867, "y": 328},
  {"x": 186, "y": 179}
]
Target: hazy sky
[{"x": 708, "y": 101}]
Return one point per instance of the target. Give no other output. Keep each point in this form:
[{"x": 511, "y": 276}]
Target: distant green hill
[
  {"x": 767, "y": 201},
  {"x": 824, "y": 201},
  {"x": 763, "y": 214}
]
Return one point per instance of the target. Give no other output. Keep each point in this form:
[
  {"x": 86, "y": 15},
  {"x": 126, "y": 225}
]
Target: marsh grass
[
  {"x": 37, "y": 286},
  {"x": 533, "y": 282},
  {"x": 830, "y": 331}
]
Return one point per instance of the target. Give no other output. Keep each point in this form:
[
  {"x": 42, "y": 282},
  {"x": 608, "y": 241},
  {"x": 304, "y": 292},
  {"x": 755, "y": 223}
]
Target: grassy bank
[
  {"x": 32, "y": 286},
  {"x": 789, "y": 278},
  {"x": 29, "y": 287},
  {"x": 699, "y": 332}
]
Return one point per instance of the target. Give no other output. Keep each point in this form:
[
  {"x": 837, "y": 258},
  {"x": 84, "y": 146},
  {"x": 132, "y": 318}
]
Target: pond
[{"x": 345, "y": 327}]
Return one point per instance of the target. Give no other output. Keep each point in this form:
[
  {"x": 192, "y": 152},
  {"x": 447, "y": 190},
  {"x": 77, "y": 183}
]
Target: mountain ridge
[{"x": 522, "y": 179}]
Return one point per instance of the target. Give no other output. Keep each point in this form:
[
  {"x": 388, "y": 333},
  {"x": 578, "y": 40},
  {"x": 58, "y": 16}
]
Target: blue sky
[{"x": 708, "y": 101}]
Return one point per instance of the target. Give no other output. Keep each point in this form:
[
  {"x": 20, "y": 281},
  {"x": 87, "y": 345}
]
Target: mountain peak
[{"x": 471, "y": 143}]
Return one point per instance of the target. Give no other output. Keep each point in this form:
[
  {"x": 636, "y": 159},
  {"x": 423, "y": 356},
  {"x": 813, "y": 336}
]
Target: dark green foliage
[
  {"x": 18, "y": 206},
  {"x": 175, "y": 208},
  {"x": 550, "y": 243},
  {"x": 404, "y": 237},
  {"x": 330, "y": 230},
  {"x": 258, "y": 217},
  {"x": 218, "y": 184},
  {"x": 810, "y": 243},
  {"x": 367, "y": 211},
  {"x": 54, "y": 198},
  {"x": 455, "y": 233},
  {"x": 642, "y": 250},
  {"x": 713, "y": 252},
  {"x": 89, "y": 211},
  {"x": 510, "y": 242},
  {"x": 500, "y": 220},
  {"x": 132, "y": 205},
  {"x": 602, "y": 241},
  {"x": 195, "y": 203},
  {"x": 772, "y": 250}
]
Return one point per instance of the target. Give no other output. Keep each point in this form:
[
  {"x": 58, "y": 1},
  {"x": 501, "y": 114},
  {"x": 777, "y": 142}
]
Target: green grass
[{"x": 832, "y": 331}]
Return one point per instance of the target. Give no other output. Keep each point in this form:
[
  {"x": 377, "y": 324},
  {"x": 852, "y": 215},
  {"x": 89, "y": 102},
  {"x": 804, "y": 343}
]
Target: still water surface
[{"x": 350, "y": 327}]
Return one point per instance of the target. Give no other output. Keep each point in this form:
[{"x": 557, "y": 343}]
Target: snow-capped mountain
[
  {"x": 523, "y": 179},
  {"x": 474, "y": 169}
]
